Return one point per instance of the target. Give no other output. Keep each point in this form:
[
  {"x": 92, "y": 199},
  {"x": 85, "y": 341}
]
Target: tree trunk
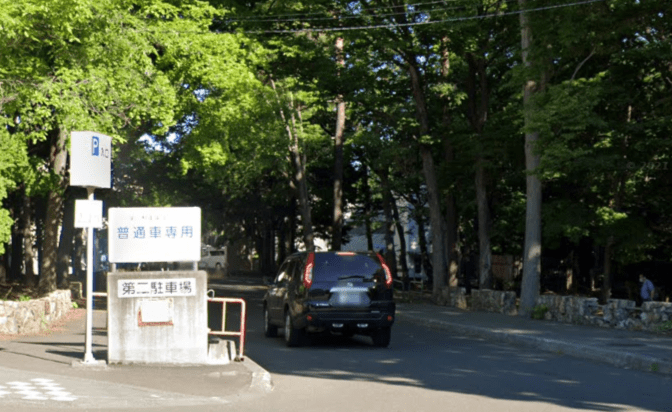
[
  {"x": 304, "y": 199},
  {"x": 532, "y": 248},
  {"x": 37, "y": 219},
  {"x": 17, "y": 256},
  {"x": 390, "y": 253},
  {"x": 484, "y": 248},
  {"x": 28, "y": 238},
  {"x": 58, "y": 157},
  {"x": 367, "y": 209},
  {"x": 66, "y": 245},
  {"x": 78, "y": 256},
  {"x": 291, "y": 242},
  {"x": 607, "y": 278},
  {"x": 268, "y": 251},
  {"x": 299, "y": 172},
  {"x": 438, "y": 246},
  {"x": 478, "y": 109},
  {"x": 424, "y": 249},
  {"x": 337, "y": 224},
  {"x": 439, "y": 264},
  {"x": 4, "y": 264},
  {"x": 617, "y": 187},
  {"x": 287, "y": 234},
  {"x": 403, "y": 260},
  {"x": 449, "y": 157},
  {"x": 283, "y": 247},
  {"x": 451, "y": 239}
]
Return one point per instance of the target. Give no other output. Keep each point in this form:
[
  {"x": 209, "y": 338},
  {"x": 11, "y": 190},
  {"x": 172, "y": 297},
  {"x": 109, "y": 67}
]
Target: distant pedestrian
[{"x": 647, "y": 291}]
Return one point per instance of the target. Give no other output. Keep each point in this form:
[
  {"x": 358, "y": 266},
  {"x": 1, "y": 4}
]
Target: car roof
[
  {"x": 357, "y": 252},
  {"x": 303, "y": 254}
]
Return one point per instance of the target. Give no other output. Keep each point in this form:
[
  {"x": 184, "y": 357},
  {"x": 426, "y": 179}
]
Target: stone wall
[
  {"x": 570, "y": 309},
  {"x": 486, "y": 300},
  {"x": 33, "y": 316},
  {"x": 458, "y": 298},
  {"x": 617, "y": 313}
]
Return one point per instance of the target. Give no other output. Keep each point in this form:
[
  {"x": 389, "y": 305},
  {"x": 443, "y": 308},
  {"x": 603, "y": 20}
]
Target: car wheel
[
  {"x": 292, "y": 335},
  {"x": 270, "y": 331},
  {"x": 381, "y": 337}
]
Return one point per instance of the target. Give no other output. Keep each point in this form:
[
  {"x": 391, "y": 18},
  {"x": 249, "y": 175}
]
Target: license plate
[{"x": 350, "y": 299}]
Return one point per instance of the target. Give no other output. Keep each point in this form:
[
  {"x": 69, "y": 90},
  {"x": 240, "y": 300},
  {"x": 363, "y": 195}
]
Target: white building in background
[{"x": 358, "y": 241}]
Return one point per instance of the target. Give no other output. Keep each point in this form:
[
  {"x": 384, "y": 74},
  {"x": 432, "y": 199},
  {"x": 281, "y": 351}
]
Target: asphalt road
[
  {"x": 422, "y": 370},
  {"x": 430, "y": 370}
]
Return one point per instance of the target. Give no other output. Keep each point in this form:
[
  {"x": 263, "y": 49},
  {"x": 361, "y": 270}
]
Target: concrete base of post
[
  {"x": 89, "y": 364},
  {"x": 149, "y": 324},
  {"x": 221, "y": 352}
]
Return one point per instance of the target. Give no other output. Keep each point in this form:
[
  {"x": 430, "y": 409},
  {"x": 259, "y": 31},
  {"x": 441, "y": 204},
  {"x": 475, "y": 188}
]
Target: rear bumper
[{"x": 346, "y": 321}]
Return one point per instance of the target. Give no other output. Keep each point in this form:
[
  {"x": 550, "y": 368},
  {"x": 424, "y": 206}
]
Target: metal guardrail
[{"x": 243, "y": 315}]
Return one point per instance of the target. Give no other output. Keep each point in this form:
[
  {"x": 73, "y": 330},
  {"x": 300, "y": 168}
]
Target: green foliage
[
  {"x": 565, "y": 118},
  {"x": 565, "y": 219},
  {"x": 213, "y": 94},
  {"x": 13, "y": 160},
  {"x": 5, "y": 228},
  {"x": 665, "y": 326},
  {"x": 539, "y": 312}
]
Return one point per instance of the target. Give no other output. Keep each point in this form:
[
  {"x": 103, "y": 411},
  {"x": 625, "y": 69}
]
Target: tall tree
[
  {"x": 72, "y": 67},
  {"x": 293, "y": 123},
  {"x": 532, "y": 249},
  {"x": 57, "y": 162},
  {"x": 478, "y": 103},
  {"x": 449, "y": 159},
  {"x": 337, "y": 225}
]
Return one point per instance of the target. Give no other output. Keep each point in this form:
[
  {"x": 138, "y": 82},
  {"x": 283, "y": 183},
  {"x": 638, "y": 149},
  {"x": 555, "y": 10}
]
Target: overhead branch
[{"x": 592, "y": 53}]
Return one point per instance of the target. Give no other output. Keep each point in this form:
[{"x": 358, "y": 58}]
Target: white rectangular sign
[
  {"x": 88, "y": 213},
  {"x": 154, "y": 234},
  {"x": 139, "y": 288},
  {"x": 90, "y": 160},
  {"x": 156, "y": 311}
]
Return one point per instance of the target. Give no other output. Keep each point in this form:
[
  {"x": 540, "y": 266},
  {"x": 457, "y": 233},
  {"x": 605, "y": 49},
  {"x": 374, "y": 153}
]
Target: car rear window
[{"x": 330, "y": 267}]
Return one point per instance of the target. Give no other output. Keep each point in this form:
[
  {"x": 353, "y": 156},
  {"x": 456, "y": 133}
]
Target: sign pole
[
  {"x": 88, "y": 354},
  {"x": 90, "y": 167}
]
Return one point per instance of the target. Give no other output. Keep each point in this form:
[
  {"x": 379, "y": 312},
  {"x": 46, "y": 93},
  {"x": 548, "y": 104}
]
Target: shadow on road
[{"x": 423, "y": 358}]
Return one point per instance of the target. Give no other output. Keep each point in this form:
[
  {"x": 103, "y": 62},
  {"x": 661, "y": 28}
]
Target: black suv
[{"x": 344, "y": 292}]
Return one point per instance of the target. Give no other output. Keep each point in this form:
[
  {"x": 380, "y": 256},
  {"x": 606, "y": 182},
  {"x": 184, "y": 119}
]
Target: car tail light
[
  {"x": 388, "y": 273},
  {"x": 308, "y": 271}
]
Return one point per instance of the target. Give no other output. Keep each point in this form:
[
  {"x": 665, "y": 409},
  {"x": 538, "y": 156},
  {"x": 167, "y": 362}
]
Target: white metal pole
[{"x": 88, "y": 354}]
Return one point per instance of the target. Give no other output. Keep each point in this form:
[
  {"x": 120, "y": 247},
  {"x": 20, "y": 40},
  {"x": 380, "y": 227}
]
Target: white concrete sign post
[
  {"x": 156, "y": 317},
  {"x": 90, "y": 167}
]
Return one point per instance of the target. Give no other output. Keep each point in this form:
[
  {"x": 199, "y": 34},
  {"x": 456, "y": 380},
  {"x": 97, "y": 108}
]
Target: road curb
[
  {"x": 627, "y": 360},
  {"x": 261, "y": 378}
]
